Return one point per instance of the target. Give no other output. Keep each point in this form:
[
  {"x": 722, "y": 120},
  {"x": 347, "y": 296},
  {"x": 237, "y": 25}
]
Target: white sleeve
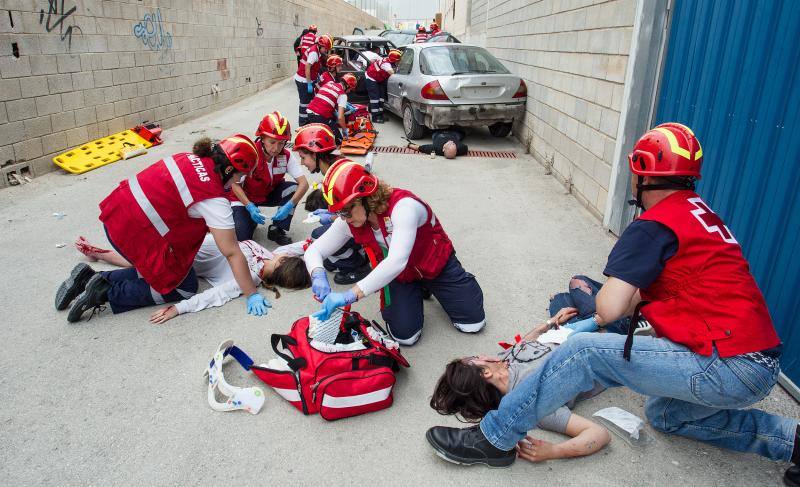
[
  {"x": 342, "y": 101},
  {"x": 408, "y": 215},
  {"x": 215, "y": 296},
  {"x": 293, "y": 167},
  {"x": 295, "y": 249},
  {"x": 215, "y": 211},
  {"x": 328, "y": 244},
  {"x": 312, "y": 58}
]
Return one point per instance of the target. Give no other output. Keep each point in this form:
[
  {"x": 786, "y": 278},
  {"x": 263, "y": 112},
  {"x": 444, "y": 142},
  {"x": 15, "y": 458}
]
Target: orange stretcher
[{"x": 361, "y": 139}]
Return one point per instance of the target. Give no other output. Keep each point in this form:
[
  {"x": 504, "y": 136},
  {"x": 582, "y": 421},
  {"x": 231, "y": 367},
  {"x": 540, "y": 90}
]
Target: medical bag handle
[{"x": 294, "y": 363}]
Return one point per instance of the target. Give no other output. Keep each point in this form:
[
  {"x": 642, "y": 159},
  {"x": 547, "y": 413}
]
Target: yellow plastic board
[{"x": 98, "y": 153}]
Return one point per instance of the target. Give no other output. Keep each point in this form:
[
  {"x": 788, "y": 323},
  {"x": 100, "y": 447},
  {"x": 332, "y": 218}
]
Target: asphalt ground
[{"x": 118, "y": 401}]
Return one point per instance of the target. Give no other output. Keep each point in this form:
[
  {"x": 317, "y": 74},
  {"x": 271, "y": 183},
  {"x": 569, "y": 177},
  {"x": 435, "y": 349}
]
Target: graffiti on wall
[
  {"x": 150, "y": 30},
  {"x": 259, "y": 29},
  {"x": 56, "y": 16}
]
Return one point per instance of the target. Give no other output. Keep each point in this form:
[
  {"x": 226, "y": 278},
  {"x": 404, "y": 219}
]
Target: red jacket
[
  {"x": 324, "y": 103},
  {"x": 705, "y": 296},
  {"x": 259, "y": 185},
  {"x": 147, "y": 217},
  {"x": 432, "y": 247},
  {"x": 375, "y": 72},
  {"x": 301, "y": 68}
]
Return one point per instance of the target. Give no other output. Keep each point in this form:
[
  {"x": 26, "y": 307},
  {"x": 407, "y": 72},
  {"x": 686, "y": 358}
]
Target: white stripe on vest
[
  {"x": 147, "y": 207},
  {"x": 359, "y": 400},
  {"x": 180, "y": 182}
]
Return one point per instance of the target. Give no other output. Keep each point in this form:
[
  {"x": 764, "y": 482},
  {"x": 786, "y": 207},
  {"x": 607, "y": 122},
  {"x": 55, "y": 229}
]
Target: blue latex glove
[
  {"x": 325, "y": 216},
  {"x": 310, "y": 88},
  {"x": 333, "y": 301},
  {"x": 345, "y": 133},
  {"x": 586, "y": 325},
  {"x": 349, "y": 109},
  {"x": 255, "y": 213},
  {"x": 283, "y": 212},
  {"x": 319, "y": 284},
  {"x": 257, "y": 305}
]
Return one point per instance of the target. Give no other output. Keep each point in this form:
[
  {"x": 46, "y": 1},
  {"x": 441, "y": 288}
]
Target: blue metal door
[{"x": 732, "y": 74}]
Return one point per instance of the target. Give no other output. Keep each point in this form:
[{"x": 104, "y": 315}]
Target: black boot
[
  {"x": 278, "y": 236},
  {"x": 73, "y": 286},
  {"x": 467, "y": 446},
  {"x": 351, "y": 277},
  {"x": 378, "y": 119},
  {"x": 94, "y": 296}
]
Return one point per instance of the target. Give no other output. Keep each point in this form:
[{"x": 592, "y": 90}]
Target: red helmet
[
  {"x": 275, "y": 126},
  {"x": 241, "y": 152},
  {"x": 314, "y": 137},
  {"x": 325, "y": 41},
  {"x": 349, "y": 81},
  {"x": 671, "y": 149},
  {"x": 421, "y": 28},
  {"x": 312, "y": 28},
  {"x": 345, "y": 181},
  {"x": 434, "y": 26},
  {"x": 394, "y": 56},
  {"x": 333, "y": 61}
]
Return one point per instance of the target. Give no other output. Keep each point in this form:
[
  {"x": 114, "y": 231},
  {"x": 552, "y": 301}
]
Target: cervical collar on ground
[{"x": 251, "y": 399}]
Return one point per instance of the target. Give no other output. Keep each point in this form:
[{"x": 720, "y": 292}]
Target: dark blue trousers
[
  {"x": 280, "y": 194},
  {"x": 349, "y": 258},
  {"x": 377, "y": 96},
  {"x": 456, "y": 290},
  {"x": 305, "y": 98}
]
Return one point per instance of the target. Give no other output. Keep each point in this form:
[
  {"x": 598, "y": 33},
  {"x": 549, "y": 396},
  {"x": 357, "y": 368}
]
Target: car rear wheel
[
  {"x": 501, "y": 129},
  {"x": 413, "y": 129}
]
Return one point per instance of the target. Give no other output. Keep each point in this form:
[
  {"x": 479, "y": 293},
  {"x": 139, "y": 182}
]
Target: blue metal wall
[{"x": 732, "y": 74}]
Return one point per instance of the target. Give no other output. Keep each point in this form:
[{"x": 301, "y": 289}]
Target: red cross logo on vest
[{"x": 710, "y": 221}]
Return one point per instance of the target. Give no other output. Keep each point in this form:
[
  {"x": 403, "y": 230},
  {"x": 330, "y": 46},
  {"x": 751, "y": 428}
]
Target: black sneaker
[
  {"x": 278, "y": 235},
  {"x": 73, "y": 286},
  {"x": 792, "y": 476},
  {"x": 94, "y": 296},
  {"x": 379, "y": 119},
  {"x": 467, "y": 446},
  {"x": 351, "y": 277}
]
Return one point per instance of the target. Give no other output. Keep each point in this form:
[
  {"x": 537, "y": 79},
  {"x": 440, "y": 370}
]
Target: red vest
[
  {"x": 325, "y": 78},
  {"x": 259, "y": 185},
  {"x": 147, "y": 217},
  {"x": 301, "y": 68},
  {"x": 420, "y": 37},
  {"x": 705, "y": 295},
  {"x": 375, "y": 72},
  {"x": 324, "y": 103},
  {"x": 432, "y": 246},
  {"x": 308, "y": 40}
]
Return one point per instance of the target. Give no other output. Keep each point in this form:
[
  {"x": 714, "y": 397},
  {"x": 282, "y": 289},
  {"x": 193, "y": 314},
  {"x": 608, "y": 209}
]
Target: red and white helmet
[
  {"x": 325, "y": 41},
  {"x": 275, "y": 126},
  {"x": 350, "y": 81},
  {"x": 394, "y": 56},
  {"x": 333, "y": 61},
  {"x": 671, "y": 149},
  {"x": 312, "y": 28},
  {"x": 241, "y": 152},
  {"x": 345, "y": 181},
  {"x": 314, "y": 137},
  {"x": 421, "y": 28}
]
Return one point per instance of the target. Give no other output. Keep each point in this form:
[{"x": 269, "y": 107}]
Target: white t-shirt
[
  {"x": 311, "y": 59},
  {"x": 211, "y": 265},
  {"x": 371, "y": 56},
  {"x": 407, "y": 215},
  {"x": 215, "y": 211}
]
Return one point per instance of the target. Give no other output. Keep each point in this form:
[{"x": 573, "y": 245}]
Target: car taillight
[
  {"x": 433, "y": 91},
  {"x": 522, "y": 91}
]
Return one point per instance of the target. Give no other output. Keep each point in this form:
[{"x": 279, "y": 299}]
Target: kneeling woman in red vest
[
  {"x": 157, "y": 220},
  {"x": 407, "y": 247}
]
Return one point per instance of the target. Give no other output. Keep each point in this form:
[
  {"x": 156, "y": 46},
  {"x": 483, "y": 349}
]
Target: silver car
[{"x": 438, "y": 85}]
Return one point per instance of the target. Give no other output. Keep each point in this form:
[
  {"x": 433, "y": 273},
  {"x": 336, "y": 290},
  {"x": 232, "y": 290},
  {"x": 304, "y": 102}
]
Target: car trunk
[{"x": 480, "y": 88}]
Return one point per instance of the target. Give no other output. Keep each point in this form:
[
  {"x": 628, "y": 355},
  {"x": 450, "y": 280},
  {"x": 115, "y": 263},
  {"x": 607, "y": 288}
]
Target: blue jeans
[
  {"x": 280, "y": 194},
  {"x": 689, "y": 394},
  {"x": 585, "y": 304}
]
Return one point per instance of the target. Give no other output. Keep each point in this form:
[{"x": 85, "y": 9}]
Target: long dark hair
[
  {"x": 315, "y": 201},
  {"x": 463, "y": 391},
  {"x": 222, "y": 166},
  {"x": 290, "y": 274}
]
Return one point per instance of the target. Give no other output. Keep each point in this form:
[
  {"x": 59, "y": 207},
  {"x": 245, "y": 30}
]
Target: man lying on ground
[{"x": 447, "y": 143}]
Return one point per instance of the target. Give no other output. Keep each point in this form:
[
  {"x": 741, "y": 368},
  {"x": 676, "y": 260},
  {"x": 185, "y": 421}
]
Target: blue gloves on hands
[
  {"x": 345, "y": 133},
  {"x": 333, "y": 301},
  {"x": 586, "y": 325},
  {"x": 283, "y": 212},
  {"x": 349, "y": 109},
  {"x": 255, "y": 213},
  {"x": 310, "y": 88},
  {"x": 319, "y": 284},
  {"x": 325, "y": 216},
  {"x": 257, "y": 305}
]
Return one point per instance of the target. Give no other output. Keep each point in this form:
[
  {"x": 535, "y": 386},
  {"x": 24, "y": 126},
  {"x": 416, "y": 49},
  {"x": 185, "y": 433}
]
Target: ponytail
[{"x": 204, "y": 147}]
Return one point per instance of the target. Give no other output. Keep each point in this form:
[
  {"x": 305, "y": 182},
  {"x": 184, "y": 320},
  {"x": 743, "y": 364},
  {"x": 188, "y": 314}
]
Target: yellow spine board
[{"x": 98, "y": 153}]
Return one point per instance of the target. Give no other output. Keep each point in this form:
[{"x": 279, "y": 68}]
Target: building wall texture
[
  {"x": 572, "y": 55},
  {"x": 76, "y": 70}
]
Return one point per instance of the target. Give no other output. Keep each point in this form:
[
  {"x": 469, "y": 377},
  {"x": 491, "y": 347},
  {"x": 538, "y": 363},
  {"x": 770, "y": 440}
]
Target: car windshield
[
  {"x": 452, "y": 60},
  {"x": 399, "y": 39}
]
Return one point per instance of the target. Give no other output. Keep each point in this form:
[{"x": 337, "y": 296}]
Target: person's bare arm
[
  {"x": 302, "y": 187},
  {"x": 342, "y": 121},
  {"x": 229, "y": 246},
  {"x": 240, "y": 194},
  {"x": 562, "y": 316},
  {"x": 308, "y": 72},
  {"x": 616, "y": 299},
  {"x": 587, "y": 438}
]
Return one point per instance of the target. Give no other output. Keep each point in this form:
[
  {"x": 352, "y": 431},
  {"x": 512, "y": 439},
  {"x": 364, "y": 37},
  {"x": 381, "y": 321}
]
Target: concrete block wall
[
  {"x": 95, "y": 67},
  {"x": 572, "y": 55}
]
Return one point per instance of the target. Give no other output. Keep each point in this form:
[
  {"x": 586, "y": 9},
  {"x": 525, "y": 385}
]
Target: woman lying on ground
[
  {"x": 472, "y": 386},
  {"x": 283, "y": 267}
]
